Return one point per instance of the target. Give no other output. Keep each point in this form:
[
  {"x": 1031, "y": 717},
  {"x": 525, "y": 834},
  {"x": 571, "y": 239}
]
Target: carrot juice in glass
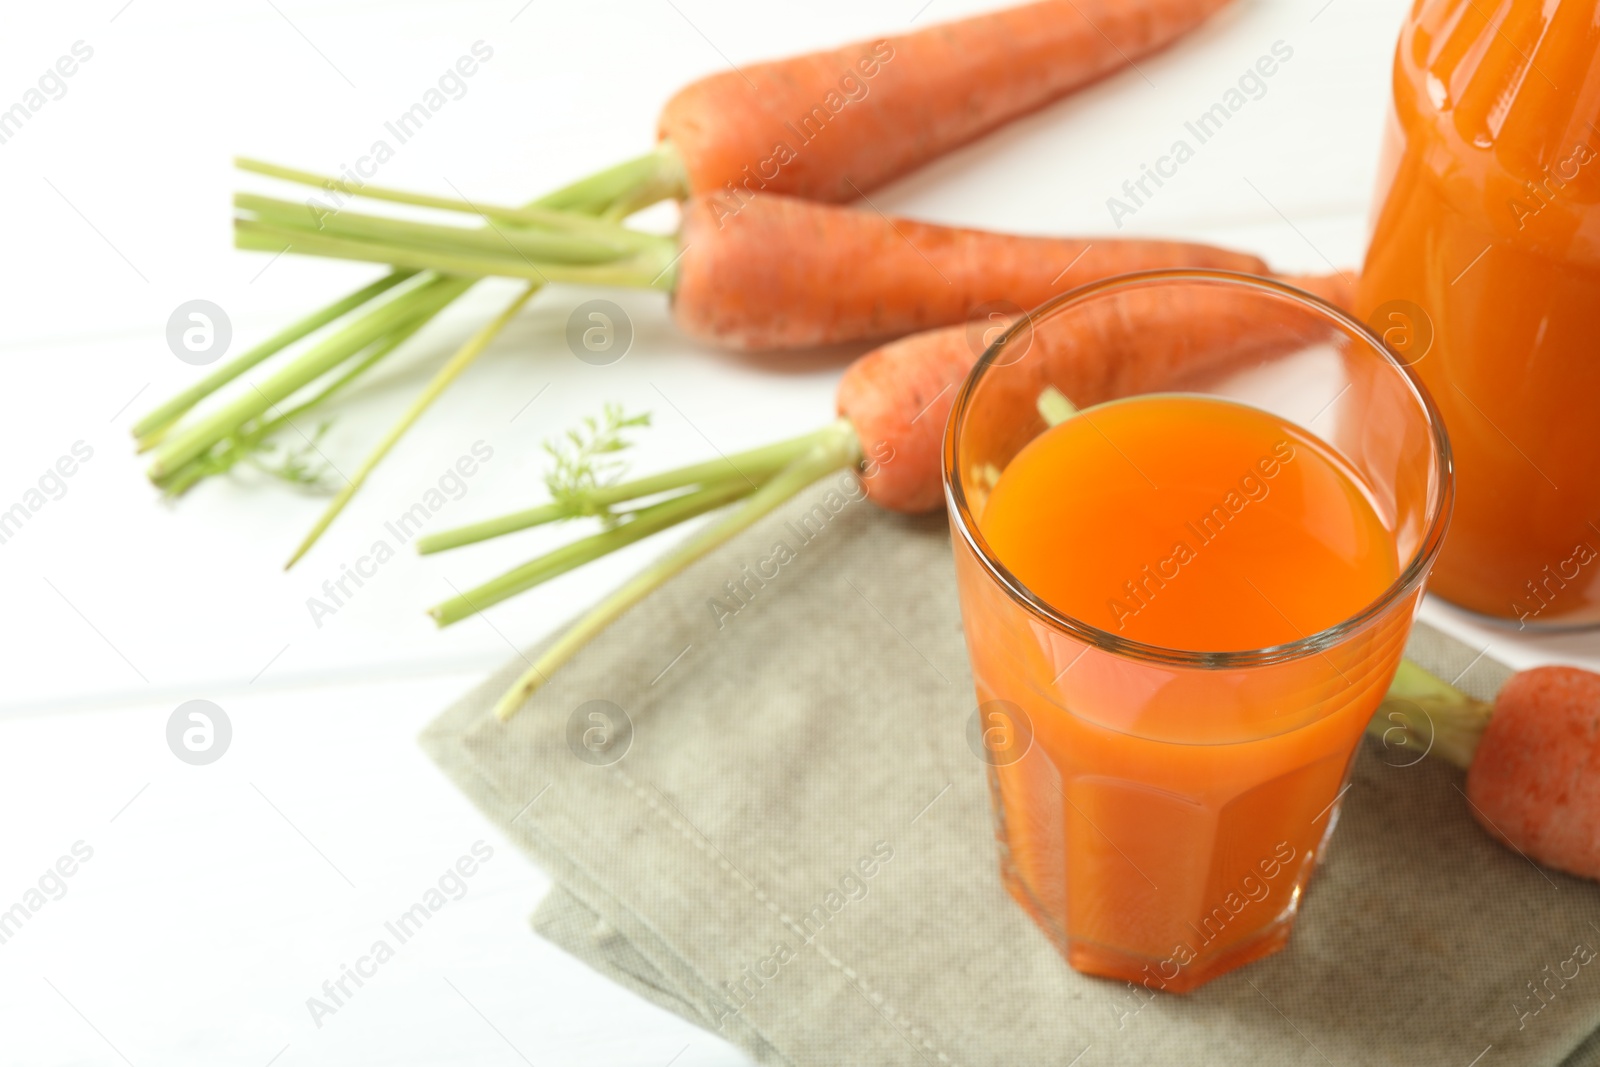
[
  {"x": 1484, "y": 269},
  {"x": 1193, "y": 516}
]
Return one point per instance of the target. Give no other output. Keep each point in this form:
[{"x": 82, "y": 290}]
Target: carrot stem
[
  {"x": 751, "y": 467},
  {"x": 835, "y": 450},
  {"x": 641, "y": 524},
  {"x": 239, "y": 445},
  {"x": 374, "y": 354},
  {"x": 629, "y": 185},
  {"x": 177, "y": 449},
  {"x": 621, "y": 189},
  {"x": 448, "y": 373},
  {"x": 592, "y": 242},
  {"x": 651, "y": 269},
  {"x": 656, "y": 175},
  {"x": 1431, "y": 716},
  {"x": 174, "y": 408},
  {"x": 1054, "y": 407}
]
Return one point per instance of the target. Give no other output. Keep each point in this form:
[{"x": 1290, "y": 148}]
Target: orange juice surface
[
  {"x": 1164, "y": 820},
  {"x": 1484, "y": 269},
  {"x": 1190, "y": 523}
]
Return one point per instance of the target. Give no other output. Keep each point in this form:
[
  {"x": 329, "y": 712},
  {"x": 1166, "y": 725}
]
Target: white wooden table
[{"x": 219, "y": 898}]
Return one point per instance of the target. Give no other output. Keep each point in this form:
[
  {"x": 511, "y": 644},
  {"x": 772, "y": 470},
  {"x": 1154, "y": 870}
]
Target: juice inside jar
[
  {"x": 1168, "y": 840},
  {"x": 1484, "y": 268}
]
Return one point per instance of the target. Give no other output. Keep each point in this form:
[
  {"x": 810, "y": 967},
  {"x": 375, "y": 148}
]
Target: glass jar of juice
[{"x": 1484, "y": 271}]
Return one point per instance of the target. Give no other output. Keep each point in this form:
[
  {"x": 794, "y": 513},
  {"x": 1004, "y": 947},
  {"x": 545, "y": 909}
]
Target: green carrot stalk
[
  {"x": 621, "y": 189},
  {"x": 185, "y": 444},
  {"x": 1054, "y": 407},
  {"x": 753, "y": 467},
  {"x": 373, "y": 355},
  {"x": 803, "y": 460},
  {"x": 452, "y": 369},
  {"x": 594, "y": 241},
  {"x": 645, "y": 270},
  {"x": 638, "y": 525},
  {"x": 250, "y": 438},
  {"x": 630, "y": 185},
  {"x": 1431, "y": 716},
  {"x": 178, "y": 405},
  {"x": 656, "y": 175},
  {"x": 836, "y": 450}
]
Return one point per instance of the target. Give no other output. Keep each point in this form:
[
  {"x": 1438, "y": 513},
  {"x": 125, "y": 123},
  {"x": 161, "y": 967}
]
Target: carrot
[
  {"x": 832, "y": 125},
  {"x": 1535, "y": 783},
  {"x": 790, "y": 273},
  {"x": 1532, "y": 757},
  {"x": 898, "y": 397},
  {"x": 782, "y": 273},
  {"x": 893, "y": 403}
]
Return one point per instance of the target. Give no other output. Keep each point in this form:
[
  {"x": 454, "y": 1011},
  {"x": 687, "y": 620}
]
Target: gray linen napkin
[{"x": 775, "y": 828}]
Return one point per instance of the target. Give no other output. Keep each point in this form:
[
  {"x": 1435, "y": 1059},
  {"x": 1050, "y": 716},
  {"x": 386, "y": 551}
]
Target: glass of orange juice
[{"x": 1193, "y": 513}]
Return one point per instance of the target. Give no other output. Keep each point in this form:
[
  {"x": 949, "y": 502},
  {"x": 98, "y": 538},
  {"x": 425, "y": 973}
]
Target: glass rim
[{"x": 1411, "y": 575}]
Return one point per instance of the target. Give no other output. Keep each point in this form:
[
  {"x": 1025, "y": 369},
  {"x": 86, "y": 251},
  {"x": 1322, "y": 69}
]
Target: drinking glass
[{"x": 1159, "y": 811}]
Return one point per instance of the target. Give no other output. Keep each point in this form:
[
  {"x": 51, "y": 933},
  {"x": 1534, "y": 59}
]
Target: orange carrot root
[
  {"x": 898, "y": 397},
  {"x": 788, "y": 273},
  {"x": 1535, "y": 781},
  {"x": 833, "y": 124}
]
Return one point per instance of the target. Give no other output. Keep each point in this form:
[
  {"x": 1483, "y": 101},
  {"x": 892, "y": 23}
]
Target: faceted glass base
[{"x": 1166, "y": 975}]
